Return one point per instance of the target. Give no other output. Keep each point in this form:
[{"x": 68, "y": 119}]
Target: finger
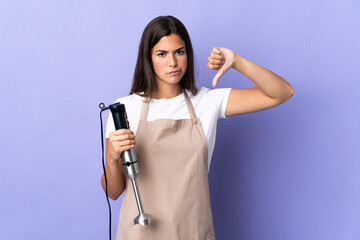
[
  {"x": 122, "y": 137},
  {"x": 118, "y": 146},
  {"x": 125, "y": 148},
  {"x": 215, "y": 56},
  {"x": 121, "y": 132},
  {"x": 126, "y": 143},
  {"x": 214, "y": 67},
  {"x": 214, "y": 61},
  {"x": 126, "y": 136},
  {"x": 216, "y": 50},
  {"x": 217, "y": 77}
]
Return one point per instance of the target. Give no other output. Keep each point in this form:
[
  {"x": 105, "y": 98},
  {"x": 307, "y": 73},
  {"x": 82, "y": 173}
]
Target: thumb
[{"x": 218, "y": 76}]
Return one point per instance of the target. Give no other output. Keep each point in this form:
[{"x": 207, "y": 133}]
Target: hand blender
[{"x": 129, "y": 161}]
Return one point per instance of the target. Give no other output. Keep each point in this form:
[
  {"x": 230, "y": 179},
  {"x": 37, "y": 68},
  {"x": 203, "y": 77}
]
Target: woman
[{"x": 175, "y": 126}]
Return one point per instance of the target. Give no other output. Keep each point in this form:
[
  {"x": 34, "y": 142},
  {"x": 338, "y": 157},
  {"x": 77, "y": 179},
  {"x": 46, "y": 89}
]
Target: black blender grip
[{"x": 119, "y": 115}]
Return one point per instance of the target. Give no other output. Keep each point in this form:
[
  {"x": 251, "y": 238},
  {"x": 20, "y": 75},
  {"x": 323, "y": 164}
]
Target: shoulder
[
  {"x": 212, "y": 101},
  {"x": 130, "y": 99},
  {"x": 213, "y": 95},
  {"x": 132, "y": 104}
]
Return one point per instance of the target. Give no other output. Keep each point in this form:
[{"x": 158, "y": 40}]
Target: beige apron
[{"x": 173, "y": 181}]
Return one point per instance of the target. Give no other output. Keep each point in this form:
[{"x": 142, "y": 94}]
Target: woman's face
[{"x": 169, "y": 59}]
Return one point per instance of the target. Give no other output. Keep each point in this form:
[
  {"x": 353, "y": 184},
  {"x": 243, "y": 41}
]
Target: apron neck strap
[
  {"x": 190, "y": 106},
  {"x": 145, "y": 108}
]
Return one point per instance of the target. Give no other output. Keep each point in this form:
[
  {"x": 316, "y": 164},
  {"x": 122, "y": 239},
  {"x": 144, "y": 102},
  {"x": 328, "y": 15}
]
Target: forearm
[
  {"x": 115, "y": 178},
  {"x": 270, "y": 83}
]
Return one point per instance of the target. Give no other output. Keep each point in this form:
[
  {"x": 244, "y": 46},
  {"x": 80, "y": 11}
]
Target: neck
[{"x": 167, "y": 92}]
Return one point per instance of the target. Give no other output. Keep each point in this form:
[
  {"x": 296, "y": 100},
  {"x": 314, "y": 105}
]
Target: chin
[{"x": 174, "y": 80}]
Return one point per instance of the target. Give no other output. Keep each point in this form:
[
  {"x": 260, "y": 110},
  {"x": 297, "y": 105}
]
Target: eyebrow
[{"x": 166, "y": 51}]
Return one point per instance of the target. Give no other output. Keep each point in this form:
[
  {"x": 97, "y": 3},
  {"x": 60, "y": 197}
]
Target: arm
[
  {"x": 271, "y": 89},
  {"x": 118, "y": 141}
]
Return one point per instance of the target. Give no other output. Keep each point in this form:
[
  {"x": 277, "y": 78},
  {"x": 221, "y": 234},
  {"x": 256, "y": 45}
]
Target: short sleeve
[
  {"x": 110, "y": 127},
  {"x": 133, "y": 104},
  {"x": 219, "y": 97}
]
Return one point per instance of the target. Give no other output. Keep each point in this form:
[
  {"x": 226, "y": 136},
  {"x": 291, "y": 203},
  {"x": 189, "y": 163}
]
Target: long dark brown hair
[{"x": 144, "y": 83}]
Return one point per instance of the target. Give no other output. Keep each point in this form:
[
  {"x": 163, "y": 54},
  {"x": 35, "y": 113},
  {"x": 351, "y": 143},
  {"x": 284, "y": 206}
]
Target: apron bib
[{"x": 173, "y": 181}]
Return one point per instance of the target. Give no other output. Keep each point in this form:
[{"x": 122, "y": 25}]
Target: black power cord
[{"x": 103, "y": 108}]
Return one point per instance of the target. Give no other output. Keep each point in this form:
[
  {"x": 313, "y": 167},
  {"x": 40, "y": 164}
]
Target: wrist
[
  {"x": 113, "y": 160},
  {"x": 238, "y": 62}
]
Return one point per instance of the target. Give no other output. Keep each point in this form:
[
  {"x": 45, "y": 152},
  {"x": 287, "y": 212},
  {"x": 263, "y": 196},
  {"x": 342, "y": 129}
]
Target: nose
[{"x": 172, "y": 60}]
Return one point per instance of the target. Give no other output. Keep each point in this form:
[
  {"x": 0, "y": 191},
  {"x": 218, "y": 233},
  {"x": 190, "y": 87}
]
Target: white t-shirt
[{"x": 209, "y": 105}]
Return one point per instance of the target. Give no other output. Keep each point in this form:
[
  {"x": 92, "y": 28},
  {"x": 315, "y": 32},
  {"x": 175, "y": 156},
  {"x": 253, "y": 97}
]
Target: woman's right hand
[{"x": 119, "y": 141}]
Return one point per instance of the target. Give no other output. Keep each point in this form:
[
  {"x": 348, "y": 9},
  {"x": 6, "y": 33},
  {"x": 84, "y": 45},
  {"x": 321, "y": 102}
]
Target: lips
[{"x": 176, "y": 72}]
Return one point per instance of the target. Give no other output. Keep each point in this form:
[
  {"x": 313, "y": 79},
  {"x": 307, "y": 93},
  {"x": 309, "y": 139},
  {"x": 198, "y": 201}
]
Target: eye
[
  {"x": 180, "y": 52},
  {"x": 161, "y": 54}
]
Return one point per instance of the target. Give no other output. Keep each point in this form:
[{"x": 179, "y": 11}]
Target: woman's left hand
[{"x": 220, "y": 59}]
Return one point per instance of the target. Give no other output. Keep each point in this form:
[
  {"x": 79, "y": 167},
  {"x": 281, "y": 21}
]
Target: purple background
[{"x": 291, "y": 172}]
